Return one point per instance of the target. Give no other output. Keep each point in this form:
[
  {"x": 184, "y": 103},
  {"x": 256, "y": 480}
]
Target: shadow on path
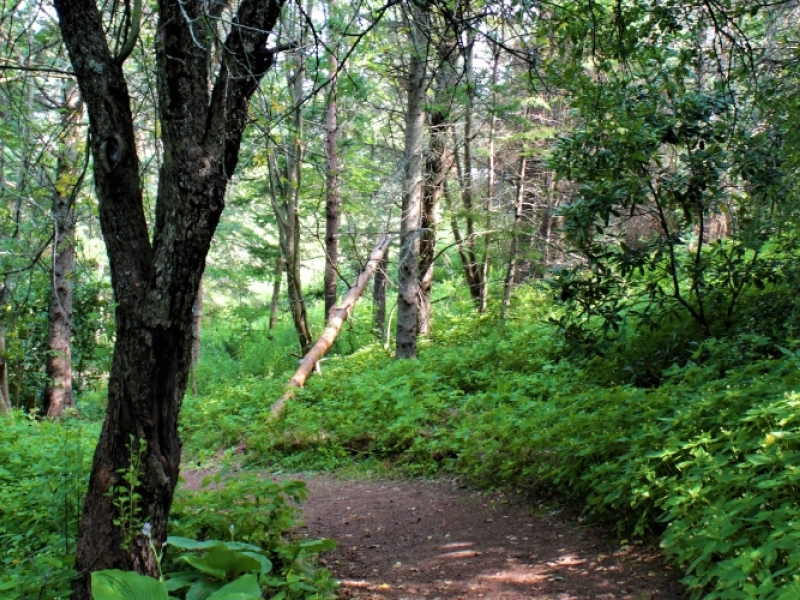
[{"x": 426, "y": 540}]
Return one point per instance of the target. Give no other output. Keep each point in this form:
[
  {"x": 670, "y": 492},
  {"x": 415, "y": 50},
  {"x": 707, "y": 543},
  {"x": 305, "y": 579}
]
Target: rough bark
[
  {"x": 338, "y": 316},
  {"x": 408, "y": 262},
  {"x": 333, "y": 197},
  {"x": 156, "y": 282},
  {"x": 58, "y": 392},
  {"x": 436, "y": 168}
]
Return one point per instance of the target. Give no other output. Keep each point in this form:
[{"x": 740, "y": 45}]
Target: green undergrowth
[
  {"x": 43, "y": 476},
  {"x": 704, "y": 452}
]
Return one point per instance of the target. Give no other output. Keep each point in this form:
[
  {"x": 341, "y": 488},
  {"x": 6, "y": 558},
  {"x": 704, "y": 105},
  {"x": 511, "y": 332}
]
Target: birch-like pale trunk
[{"x": 337, "y": 318}]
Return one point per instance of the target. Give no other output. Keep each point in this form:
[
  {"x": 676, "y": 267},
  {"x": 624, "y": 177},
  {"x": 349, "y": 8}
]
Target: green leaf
[
  {"x": 222, "y": 562},
  {"x": 266, "y": 564},
  {"x": 316, "y": 546},
  {"x": 181, "y": 580},
  {"x": 759, "y": 459},
  {"x": 126, "y": 585},
  {"x": 244, "y": 588},
  {"x": 189, "y": 544},
  {"x": 202, "y": 590}
]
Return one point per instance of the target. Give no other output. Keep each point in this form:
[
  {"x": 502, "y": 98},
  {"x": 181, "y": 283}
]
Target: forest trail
[
  {"x": 428, "y": 540},
  {"x": 415, "y": 539}
]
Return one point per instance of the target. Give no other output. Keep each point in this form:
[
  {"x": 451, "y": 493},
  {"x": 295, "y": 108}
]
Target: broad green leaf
[
  {"x": 266, "y": 564},
  {"x": 222, "y": 562},
  {"x": 189, "y": 544},
  {"x": 126, "y": 585},
  {"x": 244, "y": 588},
  {"x": 181, "y": 580},
  {"x": 202, "y": 590}
]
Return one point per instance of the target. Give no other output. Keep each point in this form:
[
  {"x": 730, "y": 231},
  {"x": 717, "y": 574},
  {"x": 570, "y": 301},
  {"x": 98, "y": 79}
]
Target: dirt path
[
  {"x": 423, "y": 540},
  {"x": 426, "y": 540}
]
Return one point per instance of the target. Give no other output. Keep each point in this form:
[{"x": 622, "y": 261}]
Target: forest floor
[{"x": 437, "y": 540}]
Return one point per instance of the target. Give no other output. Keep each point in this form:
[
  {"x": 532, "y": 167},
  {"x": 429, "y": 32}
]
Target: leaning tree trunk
[
  {"x": 338, "y": 316},
  {"x": 155, "y": 282},
  {"x": 58, "y": 393},
  {"x": 408, "y": 262}
]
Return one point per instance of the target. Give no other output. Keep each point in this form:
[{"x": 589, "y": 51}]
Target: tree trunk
[
  {"x": 276, "y": 294},
  {"x": 515, "y": 237},
  {"x": 408, "y": 263},
  {"x": 338, "y": 316},
  {"x": 490, "y": 191},
  {"x": 285, "y": 197},
  {"x": 5, "y": 398},
  {"x": 473, "y": 269},
  {"x": 333, "y": 199},
  {"x": 156, "y": 282},
  {"x": 197, "y": 331},
  {"x": 436, "y": 168},
  {"x": 58, "y": 392},
  {"x": 379, "y": 294}
]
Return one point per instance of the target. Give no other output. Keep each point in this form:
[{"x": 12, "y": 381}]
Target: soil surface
[{"x": 436, "y": 540}]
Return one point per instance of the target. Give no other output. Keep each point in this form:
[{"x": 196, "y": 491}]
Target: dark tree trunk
[
  {"x": 408, "y": 262},
  {"x": 435, "y": 172},
  {"x": 58, "y": 393},
  {"x": 379, "y": 293},
  {"x": 156, "y": 282},
  {"x": 333, "y": 199}
]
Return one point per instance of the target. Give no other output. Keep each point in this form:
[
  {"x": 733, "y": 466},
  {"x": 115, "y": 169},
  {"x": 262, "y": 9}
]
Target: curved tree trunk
[
  {"x": 58, "y": 393},
  {"x": 156, "y": 281}
]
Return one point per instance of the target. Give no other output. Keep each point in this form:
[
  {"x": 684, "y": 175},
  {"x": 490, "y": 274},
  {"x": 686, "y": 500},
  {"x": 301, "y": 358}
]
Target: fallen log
[{"x": 336, "y": 319}]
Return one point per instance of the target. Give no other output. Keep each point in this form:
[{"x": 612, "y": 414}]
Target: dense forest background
[{"x": 583, "y": 225}]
